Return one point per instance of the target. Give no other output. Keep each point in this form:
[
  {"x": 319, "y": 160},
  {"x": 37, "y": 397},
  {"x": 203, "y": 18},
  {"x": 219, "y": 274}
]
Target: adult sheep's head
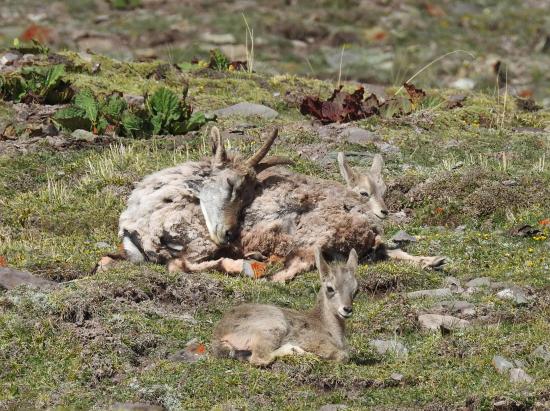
[{"x": 231, "y": 186}]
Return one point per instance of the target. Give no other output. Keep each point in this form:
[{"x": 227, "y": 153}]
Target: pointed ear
[
  {"x": 218, "y": 149},
  {"x": 321, "y": 264},
  {"x": 271, "y": 162},
  {"x": 377, "y": 165},
  {"x": 353, "y": 260},
  {"x": 346, "y": 171}
]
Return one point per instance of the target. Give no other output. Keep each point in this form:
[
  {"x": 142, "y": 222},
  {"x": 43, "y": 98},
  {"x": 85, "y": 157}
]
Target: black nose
[
  {"x": 385, "y": 212},
  {"x": 348, "y": 310},
  {"x": 229, "y": 235}
]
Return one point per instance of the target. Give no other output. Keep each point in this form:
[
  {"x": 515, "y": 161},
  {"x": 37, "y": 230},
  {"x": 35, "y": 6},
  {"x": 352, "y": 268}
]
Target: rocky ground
[{"x": 467, "y": 174}]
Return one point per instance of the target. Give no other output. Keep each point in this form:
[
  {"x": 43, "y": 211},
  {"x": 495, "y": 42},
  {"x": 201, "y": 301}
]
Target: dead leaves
[
  {"x": 416, "y": 95},
  {"x": 3, "y": 261},
  {"x": 343, "y": 107}
]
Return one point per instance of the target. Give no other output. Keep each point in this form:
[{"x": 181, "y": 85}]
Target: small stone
[
  {"x": 83, "y": 135},
  {"x": 437, "y": 292},
  {"x": 514, "y": 294},
  {"x": 9, "y": 58},
  {"x": 390, "y": 346},
  {"x": 102, "y": 244},
  {"x": 387, "y": 148},
  {"x": 502, "y": 364},
  {"x": 333, "y": 407},
  {"x": 434, "y": 322},
  {"x": 453, "y": 283},
  {"x": 460, "y": 228},
  {"x": 396, "y": 376},
  {"x": 462, "y": 307},
  {"x": 50, "y": 130},
  {"x": 356, "y": 135},
  {"x": 463, "y": 84},
  {"x": 403, "y": 237},
  {"x": 541, "y": 352},
  {"x": 479, "y": 282},
  {"x": 134, "y": 100},
  {"x": 227, "y": 38},
  {"x": 11, "y": 278},
  {"x": 247, "y": 109},
  {"x": 517, "y": 376}
]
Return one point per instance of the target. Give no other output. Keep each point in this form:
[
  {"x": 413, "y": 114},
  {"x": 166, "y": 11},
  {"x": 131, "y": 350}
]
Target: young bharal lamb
[
  {"x": 294, "y": 214},
  {"x": 182, "y": 216},
  {"x": 261, "y": 333}
]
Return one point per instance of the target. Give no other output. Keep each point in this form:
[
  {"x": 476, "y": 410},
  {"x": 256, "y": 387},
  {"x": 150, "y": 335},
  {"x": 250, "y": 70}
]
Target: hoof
[{"x": 434, "y": 262}]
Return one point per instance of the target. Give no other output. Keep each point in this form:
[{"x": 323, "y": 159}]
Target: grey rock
[
  {"x": 396, "y": 376},
  {"x": 227, "y": 38},
  {"x": 541, "y": 352},
  {"x": 434, "y": 322},
  {"x": 356, "y": 135},
  {"x": 83, "y": 135},
  {"x": 50, "y": 130},
  {"x": 11, "y": 278},
  {"x": 453, "y": 283},
  {"x": 102, "y": 244},
  {"x": 56, "y": 141},
  {"x": 515, "y": 294},
  {"x": 390, "y": 346},
  {"x": 333, "y": 407},
  {"x": 463, "y": 84},
  {"x": 134, "y": 100},
  {"x": 501, "y": 364},
  {"x": 518, "y": 376},
  {"x": 9, "y": 58},
  {"x": 388, "y": 148},
  {"x": 437, "y": 292},
  {"x": 454, "y": 307},
  {"x": 460, "y": 228},
  {"x": 399, "y": 218},
  {"x": 247, "y": 109},
  {"x": 403, "y": 237},
  {"x": 479, "y": 282}
]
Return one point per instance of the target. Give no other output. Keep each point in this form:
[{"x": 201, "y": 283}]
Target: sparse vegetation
[{"x": 110, "y": 337}]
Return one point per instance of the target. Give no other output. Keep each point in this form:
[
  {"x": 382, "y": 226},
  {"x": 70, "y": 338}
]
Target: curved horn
[
  {"x": 218, "y": 148},
  {"x": 261, "y": 153}
]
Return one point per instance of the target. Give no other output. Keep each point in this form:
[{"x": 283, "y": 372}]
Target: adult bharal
[
  {"x": 294, "y": 214},
  {"x": 182, "y": 216}
]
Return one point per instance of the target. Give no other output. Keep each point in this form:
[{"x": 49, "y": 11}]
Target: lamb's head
[
  {"x": 369, "y": 184},
  {"x": 338, "y": 283},
  {"x": 231, "y": 186}
]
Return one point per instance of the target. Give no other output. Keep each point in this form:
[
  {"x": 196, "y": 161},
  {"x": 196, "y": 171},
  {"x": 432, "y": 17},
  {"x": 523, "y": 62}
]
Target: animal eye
[
  {"x": 330, "y": 289},
  {"x": 365, "y": 194}
]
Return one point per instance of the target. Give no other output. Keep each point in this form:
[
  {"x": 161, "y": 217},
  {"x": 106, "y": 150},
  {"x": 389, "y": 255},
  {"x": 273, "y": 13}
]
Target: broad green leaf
[
  {"x": 53, "y": 76},
  {"x": 131, "y": 124},
  {"x": 114, "y": 107},
  {"x": 86, "y": 101}
]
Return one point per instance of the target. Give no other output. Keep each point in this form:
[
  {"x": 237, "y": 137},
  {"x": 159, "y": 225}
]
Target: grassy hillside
[{"x": 466, "y": 177}]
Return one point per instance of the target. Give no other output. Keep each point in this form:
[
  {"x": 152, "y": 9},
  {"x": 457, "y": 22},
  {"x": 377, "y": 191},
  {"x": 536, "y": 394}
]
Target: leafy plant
[
  {"x": 164, "y": 113},
  {"x": 36, "y": 84},
  {"x": 218, "y": 60}
]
